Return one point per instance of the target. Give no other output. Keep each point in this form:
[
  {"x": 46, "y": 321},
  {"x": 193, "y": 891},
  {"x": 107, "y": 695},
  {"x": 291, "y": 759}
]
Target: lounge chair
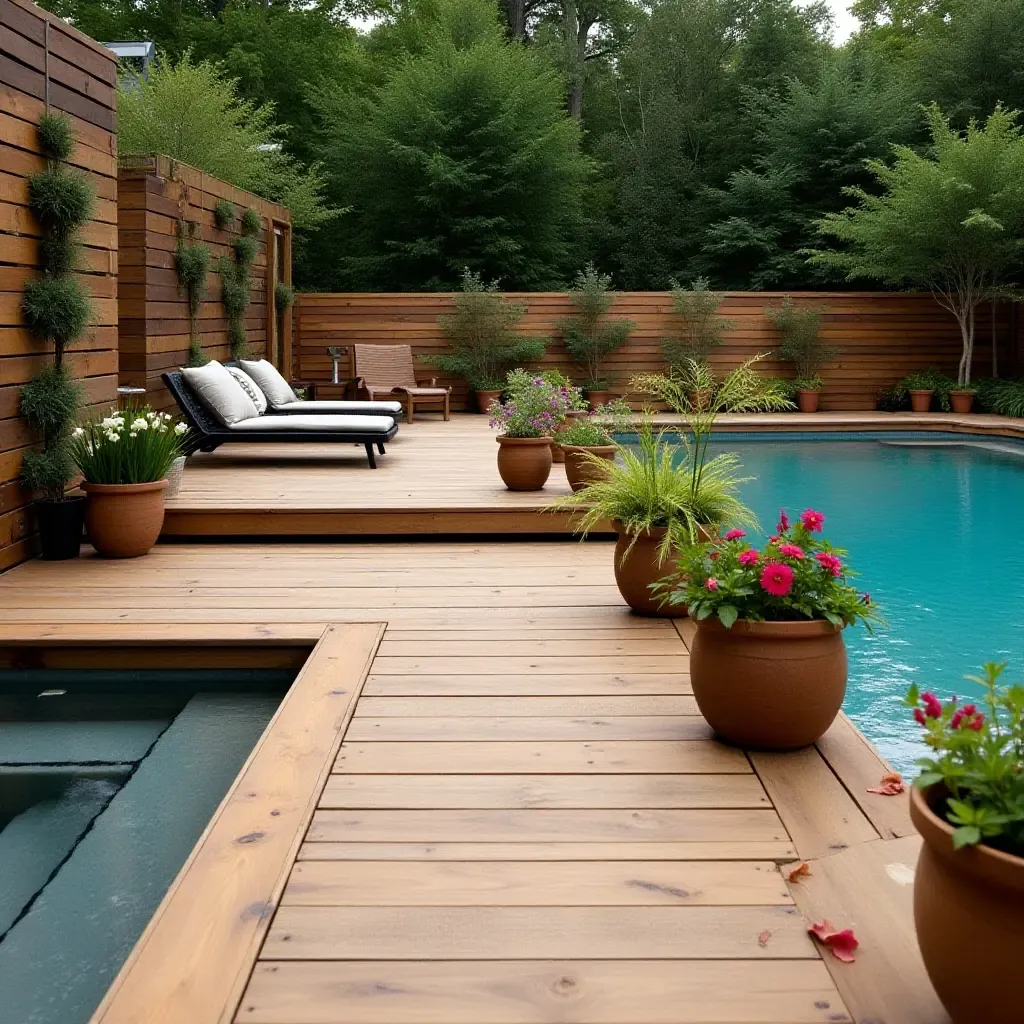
[
  {"x": 208, "y": 433},
  {"x": 388, "y": 370},
  {"x": 282, "y": 401}
]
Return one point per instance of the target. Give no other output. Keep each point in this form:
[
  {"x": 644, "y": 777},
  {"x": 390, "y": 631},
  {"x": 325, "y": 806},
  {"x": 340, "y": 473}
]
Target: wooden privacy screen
[
  {"x": 43, "y": 60},
  {"x": 882, "y": 336},
  {"x": 158, "y": 198}
]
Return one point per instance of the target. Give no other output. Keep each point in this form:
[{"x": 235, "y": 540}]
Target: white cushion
[
  {"x": 354, "y": 408},
  {"x": 301, "y": 424},
  {"x": 271, "y": 383},
  {"x": 250, "y": 387},
  {"x": 220, "y": 392}
]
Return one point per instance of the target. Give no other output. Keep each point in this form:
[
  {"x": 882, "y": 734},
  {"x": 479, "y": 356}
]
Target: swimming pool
[{"x": 932, "y": 524}]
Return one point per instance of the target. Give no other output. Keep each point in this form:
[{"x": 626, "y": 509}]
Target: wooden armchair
[{"x": 388, "y": 370}]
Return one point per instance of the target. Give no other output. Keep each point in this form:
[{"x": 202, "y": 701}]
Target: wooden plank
[
  {"x": 461, "y": 687},
  {"x": 528, "y": 884},
  {"x": 522, "y": 706},
  {"x": 520, "y": 933},
  {"x": 211, "y": 923},
  {"x": 526, "y": 992},
  {"x": 520, "y": 728},
  {"x": 553, "y": 791},
  {"x": 818, "y": 812}
]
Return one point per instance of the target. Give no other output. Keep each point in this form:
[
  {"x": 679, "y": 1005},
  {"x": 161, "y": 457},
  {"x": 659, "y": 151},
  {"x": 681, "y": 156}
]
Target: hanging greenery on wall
[
  {"x": 284, "y": 296},
  {"x": 56, "y": 307},
  {"x": 235, "y": 283},
  {"x": 223, "y": 214},
  {"x": 192, "y": 263}
]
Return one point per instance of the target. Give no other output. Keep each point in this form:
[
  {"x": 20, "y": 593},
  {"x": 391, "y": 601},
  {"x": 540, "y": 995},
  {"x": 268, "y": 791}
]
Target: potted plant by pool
[
  {"x": 925, "y": 385},
  {"x": 962, "y": 399},
  {"x": 799, "y": 329},
  {"x": 588, "y": 442},
  {"x": 124, "y": 460},
  {"x": 968, "y": 805},
  {"x": 527, "y": 422},
  {"x": 768, "y": 663},
  {"x": 575, "y": 407}
]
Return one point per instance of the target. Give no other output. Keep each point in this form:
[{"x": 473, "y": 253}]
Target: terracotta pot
[
  {"x": 580, "y": 471},
  {"x": 60, "y": 527},
  {"x": 807, "y": 401},
  {"x": 524, "y": 462},
  {"x": 596, "y": 398},
  {"x": 768, "y": 685},
  {"x": 961, "y": 401},
  {"x": 969, "y": 914},
  {"x": 484, "y": 399},
  {"x": 637, "y": 570},
  {"x": 124, "y": 520},
  {"x": 921, "y": 399},
  {"x": 557, "y": 451}
]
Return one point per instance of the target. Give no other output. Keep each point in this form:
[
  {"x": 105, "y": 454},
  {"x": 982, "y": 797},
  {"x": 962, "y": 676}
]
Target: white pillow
[
  {"x": 273, "y": 385},
  {"x": 220, "y": 392},
  {"x": 250, "y": 387}
]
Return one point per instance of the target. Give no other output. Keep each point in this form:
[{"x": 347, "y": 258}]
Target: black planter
[{"x": 60, "y": 527}]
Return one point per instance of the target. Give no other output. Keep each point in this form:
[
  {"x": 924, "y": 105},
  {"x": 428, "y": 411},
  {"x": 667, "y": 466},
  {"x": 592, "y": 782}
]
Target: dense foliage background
[{"x": 523, "y": 139}]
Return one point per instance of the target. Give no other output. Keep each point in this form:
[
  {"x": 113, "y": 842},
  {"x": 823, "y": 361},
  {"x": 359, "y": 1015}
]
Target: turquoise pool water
[{"x": 934, "y": 529}]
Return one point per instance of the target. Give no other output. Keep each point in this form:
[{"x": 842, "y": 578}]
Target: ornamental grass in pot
[
  {"x": 124, "y": 459},
  {"x": 768, "y": 664},
  {"x": 968, "y": 805},
  {"x": 588, "y": 443}
]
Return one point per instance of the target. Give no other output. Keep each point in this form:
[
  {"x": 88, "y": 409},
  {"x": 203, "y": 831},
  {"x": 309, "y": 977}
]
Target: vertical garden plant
[
  {"x": 235, "y": 283},
  {"x": 192, "y": 263}
]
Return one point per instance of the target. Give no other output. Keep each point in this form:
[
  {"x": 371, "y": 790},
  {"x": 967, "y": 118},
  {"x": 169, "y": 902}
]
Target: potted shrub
[
  {"x": 484, "y": 343},
  {"x": 768, "y": 662},
  {"x": 124, "y": 460},
  {"x": 800, "y": 333},
  {"x": 925, "y": 385},
  {"x": 962, "y": 399},
  {"x": 968, "y": 805},
  {"x": 591, "y": 335},
  {"x": 696, "y": 307},
  {"x": 527, "y": 423},
  {"x": 589, "y": 444}
]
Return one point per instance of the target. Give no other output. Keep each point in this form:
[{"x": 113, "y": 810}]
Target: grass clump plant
[
  {"x": 590, "y": 335},
  {"x": 1002, "y": 397}
]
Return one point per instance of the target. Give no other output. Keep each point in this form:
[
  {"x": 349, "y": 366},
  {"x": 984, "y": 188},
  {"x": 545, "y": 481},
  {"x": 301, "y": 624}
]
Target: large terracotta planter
[
  {"x": 579, "y": 470},
  {"x": 921, "y": 399},
  {"x": 596, "y": 398},
  {"x": 524, "y": 462},
  {"x": 807, "y": 401},
  {"x": 768, "y": 685},
  {"x": 484, "y": 399},
  {"x": 961, "y": 401},
  {"x": 124, "y": 520},
  {"x": 969, "y": 914},
  {"x": 637, "y": 570}
]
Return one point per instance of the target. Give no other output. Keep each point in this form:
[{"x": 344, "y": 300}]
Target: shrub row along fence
[
  {"x": 46, "y": 64},
  {"x": 163, "y": 205},
  {"x": 882, "y": 336}
]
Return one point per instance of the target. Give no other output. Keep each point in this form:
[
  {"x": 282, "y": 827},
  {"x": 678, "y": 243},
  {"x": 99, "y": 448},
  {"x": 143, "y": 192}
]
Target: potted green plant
[
  {"x": 923, "y": 386},
  {"x": 696, "y": 308},
  {"x": 527, "y": 423},
  {"x": 968, "y": 805},
  {"x": 591, "y": 335},
  {"x": 124, "y": 459},
  {"x": 588, "y": 442},
  {"x": 483, "y": 339},
  {"x": 799, "y": 329},
  {"x": 56, "y": 309},
  {"x": 575, "y": 407},
  {"x": 768, "y": 662}
]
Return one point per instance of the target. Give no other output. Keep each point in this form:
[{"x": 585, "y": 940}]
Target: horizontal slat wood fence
[
  {"x": 882, "y": 336},
  {"x": 158, "y": 198},
  {"x": 43, "y": 61}
]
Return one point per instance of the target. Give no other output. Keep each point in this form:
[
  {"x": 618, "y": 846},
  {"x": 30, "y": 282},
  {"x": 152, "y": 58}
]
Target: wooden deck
[
  {"x": 436, "y": 478},
  {"x": 524, "y": 820}
]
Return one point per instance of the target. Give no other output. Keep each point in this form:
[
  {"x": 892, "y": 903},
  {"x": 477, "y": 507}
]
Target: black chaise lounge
[{"x": 208, "y": 434}]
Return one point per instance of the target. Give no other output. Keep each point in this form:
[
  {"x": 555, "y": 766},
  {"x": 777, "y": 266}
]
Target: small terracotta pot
[
  {"x": 921, "y": 399},
  {"x": 524, "y": 462},
  {"x": 580, "y": 471},
  {"x": 768, "y": 685},
  {"x": 807, "y": 401},
  {"x": 484, "y": 399},
  {"x": 961, "y": 401},
  {"x": 124, "y": 520},
  {"x": 596, "y": 398},
  {"x": 969, "y": 915},
  {"x": 637, "y": 570}
]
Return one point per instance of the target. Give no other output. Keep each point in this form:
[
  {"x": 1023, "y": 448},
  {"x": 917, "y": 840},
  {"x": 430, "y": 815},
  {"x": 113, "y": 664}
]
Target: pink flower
[
  {"x": 783, "y": 521},
  {"x": 919, "y": 717},
  {"x": 954, "y": 722},
  {"x": 831, "y": 563},
  {"x": 711, "y": 583},
  {"x": 774, "y": 540},
  {"x": 791, "y": 550},
  {"x": 932, "y": 705},
  {"x": 812, "y": 520},
  {"x": 748, "y": 557},
  {"x": 866, "y": 598},
  {"x": 777, "y": 579},
  {"x": 979, "y": 721},
  {"x": 968, "y": 709},
  {"x": 735, "y": 534}
]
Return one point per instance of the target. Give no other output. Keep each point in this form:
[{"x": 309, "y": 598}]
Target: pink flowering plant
[
  {"x": 534, "y": 407},
  {"x": 976, "y": 761},
  {"x": 796, "y": 576}
]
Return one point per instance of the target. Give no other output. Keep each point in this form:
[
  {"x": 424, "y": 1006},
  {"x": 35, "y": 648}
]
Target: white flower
[
  {"x": 107, "y": 423},
  {"x": 180, "y": 428},
  {"x": 78, "y": 432},
  {"x": 140, "y": 424},
  {"x": 113, "y": 435}
]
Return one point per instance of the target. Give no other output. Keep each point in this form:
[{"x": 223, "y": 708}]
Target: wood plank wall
[
  {"x": 882, "y": 336},
  {"x": 156, "y": 195},
  {"x": 45, "y": 61}
]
